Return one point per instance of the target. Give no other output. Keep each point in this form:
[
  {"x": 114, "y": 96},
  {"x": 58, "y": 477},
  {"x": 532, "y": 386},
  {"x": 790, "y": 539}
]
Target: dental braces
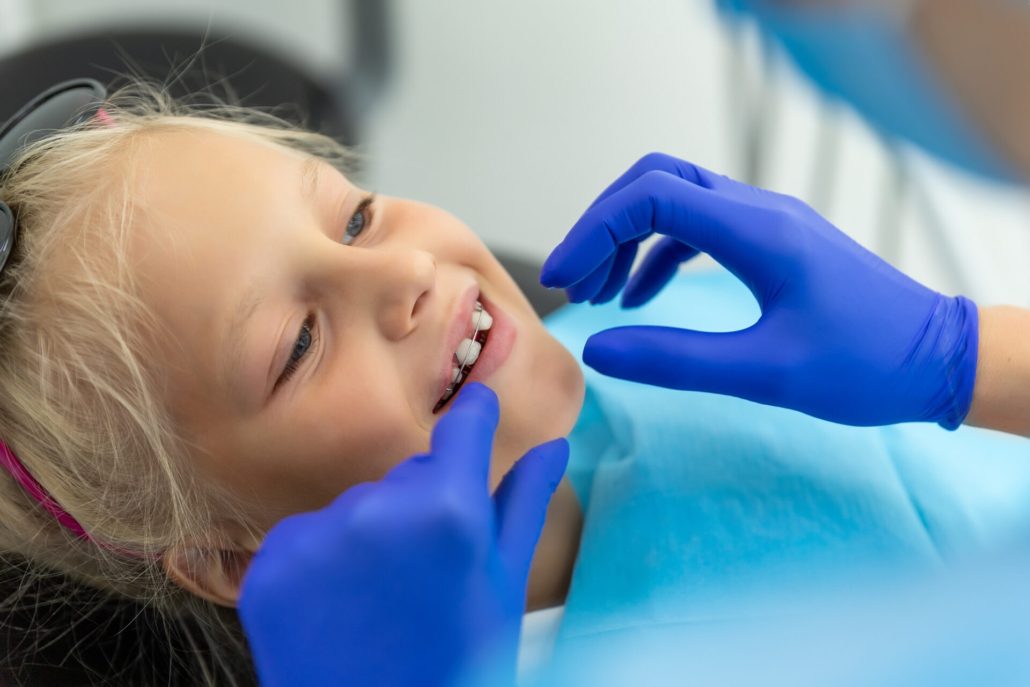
[{"x": 462, "y": 371}]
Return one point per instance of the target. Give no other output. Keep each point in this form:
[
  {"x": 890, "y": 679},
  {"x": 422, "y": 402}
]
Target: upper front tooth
[
  {"x": 481, "y": 319},
  {"x": 468, "y": 351}
]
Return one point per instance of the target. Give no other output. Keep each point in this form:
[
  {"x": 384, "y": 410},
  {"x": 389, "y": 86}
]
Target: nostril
[{"x": 418, "y": 303}]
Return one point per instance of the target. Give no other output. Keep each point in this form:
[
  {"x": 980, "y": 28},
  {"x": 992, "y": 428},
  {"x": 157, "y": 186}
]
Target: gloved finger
[
  {"x": 663, "y": 163},
  {"x": 522, "y": 498},
  {"x": 731, "y": 363},
  {"x": 617, "y": 276},
  {"x": 462, "y": 440},
  {"x": 656, "y": 269},
  {"x": 738, "y": 234},
  {"x": 654, "y": 162},
  {"x": 587, "y": 287}
]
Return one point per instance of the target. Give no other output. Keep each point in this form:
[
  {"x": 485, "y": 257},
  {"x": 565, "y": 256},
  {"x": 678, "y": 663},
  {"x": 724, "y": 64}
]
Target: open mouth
[{"x": 468, "y": 352}]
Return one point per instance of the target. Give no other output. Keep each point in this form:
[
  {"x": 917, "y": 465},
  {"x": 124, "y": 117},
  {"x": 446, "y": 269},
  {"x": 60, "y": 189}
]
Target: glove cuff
[{"x": 962, "y": 322}]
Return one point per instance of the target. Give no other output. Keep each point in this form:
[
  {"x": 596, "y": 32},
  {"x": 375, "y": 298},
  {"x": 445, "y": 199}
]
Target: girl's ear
[{"x": 212, "y": 574}]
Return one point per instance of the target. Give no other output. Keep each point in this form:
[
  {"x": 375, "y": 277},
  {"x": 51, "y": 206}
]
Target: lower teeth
[{"x": 465, "y": 370}]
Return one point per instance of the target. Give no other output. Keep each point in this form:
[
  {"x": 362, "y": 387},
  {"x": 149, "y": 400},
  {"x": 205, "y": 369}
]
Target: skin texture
[
  {"x": 221, "y": 214},
  {"x": 979, "y": 49},
  {"x": 1001, "y": 398}
]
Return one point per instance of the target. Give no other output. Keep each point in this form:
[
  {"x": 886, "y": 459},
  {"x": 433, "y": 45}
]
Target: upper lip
[{"x": 457, "y": 329}]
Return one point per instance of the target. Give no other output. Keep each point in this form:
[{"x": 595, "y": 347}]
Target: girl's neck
[
  {"x": 551, "y": 571},
  {"x": 591, "y": 438}
]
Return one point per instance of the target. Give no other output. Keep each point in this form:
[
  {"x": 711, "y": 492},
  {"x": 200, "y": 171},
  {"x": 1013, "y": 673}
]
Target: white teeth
[
  {"x": 481, "y": 318},
  {"x": 468, "y": 351}
]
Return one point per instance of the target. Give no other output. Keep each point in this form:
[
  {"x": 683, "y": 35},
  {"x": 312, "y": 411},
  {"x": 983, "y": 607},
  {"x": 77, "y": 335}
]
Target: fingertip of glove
[
  {"x": 563, "y": 450},
  {"x": 550, "y": 272},
  {"x": 476, "y": 394},
  {"x": 631, "y": 300},
  {"x": 559, "y": 447},
  {"x": 596, "y": 351},
  {"x": 554, "y": 455}
]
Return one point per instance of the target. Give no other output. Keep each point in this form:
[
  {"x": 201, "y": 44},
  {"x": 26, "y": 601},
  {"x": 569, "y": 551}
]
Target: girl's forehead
[
  {"x": 200, "y": 148},
  {"x": 213, "y": 163},
  {"x": 205, "y": 205},
  {"x": 197, "y": 175}
]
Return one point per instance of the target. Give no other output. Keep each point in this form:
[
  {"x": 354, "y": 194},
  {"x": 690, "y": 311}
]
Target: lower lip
[
  {"x": 498, "y": 347},
  {"x": 498, "y": 344}
]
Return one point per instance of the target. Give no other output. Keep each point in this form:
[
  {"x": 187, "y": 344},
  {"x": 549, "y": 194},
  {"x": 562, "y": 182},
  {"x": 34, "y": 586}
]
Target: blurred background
[{"x": 513, "y": 116}]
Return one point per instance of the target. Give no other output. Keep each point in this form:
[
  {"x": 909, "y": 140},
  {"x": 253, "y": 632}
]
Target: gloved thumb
[
  {"x": 522, "y": 498},
  {"x": 732, "y": 363}
]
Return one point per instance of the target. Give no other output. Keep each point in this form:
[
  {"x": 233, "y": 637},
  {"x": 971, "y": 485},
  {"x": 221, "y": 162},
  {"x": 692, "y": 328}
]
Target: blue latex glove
[
  {"x": 843, "y": 335},
  {"x": 412, "y": 580}
]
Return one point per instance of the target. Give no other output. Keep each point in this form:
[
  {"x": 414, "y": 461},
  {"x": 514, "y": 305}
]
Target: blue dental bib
[{"x": 702, "y": 510}]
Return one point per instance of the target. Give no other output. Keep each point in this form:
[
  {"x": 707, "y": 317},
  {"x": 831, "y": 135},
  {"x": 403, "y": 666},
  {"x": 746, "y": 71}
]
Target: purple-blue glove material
[
  {"x": 416, "y": 579},
  {"x": 843, "y": 335}
]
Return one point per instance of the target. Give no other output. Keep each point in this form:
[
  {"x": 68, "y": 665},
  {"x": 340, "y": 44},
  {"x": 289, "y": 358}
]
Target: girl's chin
[
  {"x": 553, "y": 397},
  {"x": 575, "y": 390}
]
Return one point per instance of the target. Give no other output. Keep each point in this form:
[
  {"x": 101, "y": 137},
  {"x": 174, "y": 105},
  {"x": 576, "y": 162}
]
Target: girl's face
[{"x": 310, "y": 330}]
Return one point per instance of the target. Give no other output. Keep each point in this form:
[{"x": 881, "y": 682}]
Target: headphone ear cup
[
  {"x": 65, "y": 104},
  {"x": 6, "y": 234},
  {"x": 57, "y": 107}
]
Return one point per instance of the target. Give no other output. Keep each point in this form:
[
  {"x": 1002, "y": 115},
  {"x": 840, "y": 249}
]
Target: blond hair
[{"x": 79, "y": 404}]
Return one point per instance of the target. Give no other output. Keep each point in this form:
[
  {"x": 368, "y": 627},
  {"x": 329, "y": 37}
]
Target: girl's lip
[
  {"x": 498, "y": 344},
  {"x": 495, "y": 352},
  {"x": 456, "y": 331}
]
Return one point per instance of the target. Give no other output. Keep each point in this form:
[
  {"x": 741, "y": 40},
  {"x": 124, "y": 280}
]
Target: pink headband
[
  {"x": 36, "y": 490},
  {"x": 14, "y": 466}
]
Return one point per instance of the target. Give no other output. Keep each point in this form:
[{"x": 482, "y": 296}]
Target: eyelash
[
  {"x": 293, "y": 364},
  {"x": 364, "y": 209}
]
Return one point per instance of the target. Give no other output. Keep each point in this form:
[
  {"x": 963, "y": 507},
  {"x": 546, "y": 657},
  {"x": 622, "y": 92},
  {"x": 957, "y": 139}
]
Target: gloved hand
[
  {"x": 411, "y": 580},
  {"x": 843, "y": 335}
]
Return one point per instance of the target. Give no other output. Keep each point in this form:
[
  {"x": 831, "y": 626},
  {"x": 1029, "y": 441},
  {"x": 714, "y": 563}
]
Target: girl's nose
[
  {"x": 396, "y": 284},
  {"x": 409, "y": 278}
]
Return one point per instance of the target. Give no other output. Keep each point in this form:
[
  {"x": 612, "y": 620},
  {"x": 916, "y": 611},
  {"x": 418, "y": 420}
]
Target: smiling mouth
[{"x": 470, "y": 349}]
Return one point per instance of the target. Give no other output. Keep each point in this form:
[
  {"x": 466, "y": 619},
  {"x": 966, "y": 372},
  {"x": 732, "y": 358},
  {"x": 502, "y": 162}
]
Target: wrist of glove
[{"x": 952, "y": 338}]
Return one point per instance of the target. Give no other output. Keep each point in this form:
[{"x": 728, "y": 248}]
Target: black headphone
[{"x": 66, "y": 104}]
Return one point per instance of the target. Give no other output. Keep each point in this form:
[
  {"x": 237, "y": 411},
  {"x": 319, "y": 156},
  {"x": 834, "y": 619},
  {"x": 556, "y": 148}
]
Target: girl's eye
[
  {"x": 359, "y": 221},
  {"x": 305, "y": 341}
]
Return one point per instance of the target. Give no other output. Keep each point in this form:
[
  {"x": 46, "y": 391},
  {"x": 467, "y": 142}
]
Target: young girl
[{"x": 208, "y": 326}]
